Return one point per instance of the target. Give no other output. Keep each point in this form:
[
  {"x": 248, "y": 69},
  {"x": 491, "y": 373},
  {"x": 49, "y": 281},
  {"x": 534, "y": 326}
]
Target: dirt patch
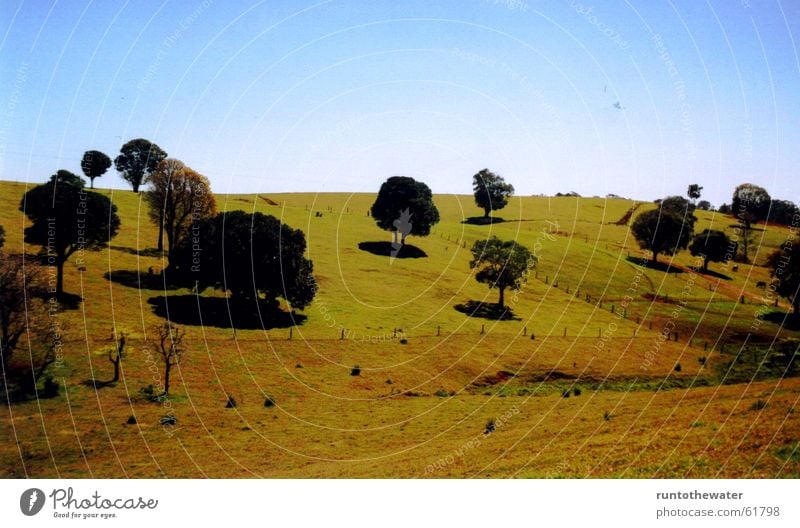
[{"x": 502, "y": 376}]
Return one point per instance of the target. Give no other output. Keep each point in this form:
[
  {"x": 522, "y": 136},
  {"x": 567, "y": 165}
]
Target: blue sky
[{"x": 337, "y": 95}]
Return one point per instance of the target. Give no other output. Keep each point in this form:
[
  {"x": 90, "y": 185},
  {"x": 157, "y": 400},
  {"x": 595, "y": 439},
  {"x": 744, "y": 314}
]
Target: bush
[
  {"x": 442, "y": 393},
  {"x": 678, "y": 367},
  {"x": 576, "y": 391},
  {"x": 490, "y": 427},
  {"x": 356, "y": 371},
  {"x": 231, "y": 403},
  {"x": 404, "y": 341},
  {"x": 606, "y": 416},
  {"x": 269, "y": 401},
  {"x": 702, "y": 360},
  {"x": 758, "y": 405},
  {"x": 565, "y": 394},
  {"x": 131, "y": 420}
]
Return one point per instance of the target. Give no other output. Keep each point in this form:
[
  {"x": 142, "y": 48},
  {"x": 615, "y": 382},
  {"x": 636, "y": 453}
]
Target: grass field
[{"x": 431, "y": 377}]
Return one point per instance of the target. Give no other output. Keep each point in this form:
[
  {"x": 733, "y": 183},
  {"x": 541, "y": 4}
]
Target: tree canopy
[
  {"x": 713, "y": 246},
  {"x": 501, "y": 264},
  {"x": 405, "y": 206},
  {"x": 491, "y": 191},
  {"x": 784, "y": 265},
  {"x": 67, "y": 218},
  {"x": 662, "y": 232},
  {"x": 138, "y": 158},
  {"x": 750, "y": 205},
  {"x": 177, "y": 198},
  {"x": 94, "y": 164},
  {"x": 250, "y": 255}
]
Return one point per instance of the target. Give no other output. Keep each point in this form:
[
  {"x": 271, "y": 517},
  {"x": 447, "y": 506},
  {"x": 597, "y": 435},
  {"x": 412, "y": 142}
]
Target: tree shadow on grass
[
  {"x": 781, "y": 318},
  {"x": 143, "y": 252},
  {"x": 141, "y": 280},
  {"x": 715, "y": 274},
  {"x": 658, "y": 266},
  {"x": 486, "y": 311},
  {"x": 221, "y": 312},
  {"x": 482, "y": 220},
  {"x": 385, "y": 249}
]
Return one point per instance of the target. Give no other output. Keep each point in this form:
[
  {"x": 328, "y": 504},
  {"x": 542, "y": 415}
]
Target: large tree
[
  {"x": 94, "y": 164},
  {"x": 24, "y": 323},
  {"x": 406, "y": 207},
  {"x": 750, "y": 205},
  {"x": 662, "y": 231},
  {"x": 67, "y": 218},
  {"x": 138, "y": 158},
  {"x": 501, "y": 264},
  {"x": 784, "y": 212},
  {"x": 491, "y": 191},
  {"x": 784, "y": 265},
  {"x": 712, "y": 246},
  {"x": 250, "y": 255},
  {"x": 178, "y": 197}
]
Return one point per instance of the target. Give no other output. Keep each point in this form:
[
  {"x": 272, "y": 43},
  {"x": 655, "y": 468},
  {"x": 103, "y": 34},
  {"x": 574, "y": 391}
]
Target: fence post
[
  {"x": 438, "y": 331},
  {"x": 290, "y": 333},
  {"x": 525, "y": 331},
  {"x": 483, "y": 330},
  {"x": 342, "y": 336}
]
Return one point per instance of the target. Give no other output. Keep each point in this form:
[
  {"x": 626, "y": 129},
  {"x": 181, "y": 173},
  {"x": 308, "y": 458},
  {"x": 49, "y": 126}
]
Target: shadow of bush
[
  {"x": 490, "y": 311},
  {"x": 385, "y": 249}
]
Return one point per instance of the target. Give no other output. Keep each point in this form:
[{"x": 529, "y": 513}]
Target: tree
[
  {"x": 23, "y": 316},
  {"x": 170, "y": 347},
  {"x": 724, "y": 209},
  {"x": 401, "y": 197},
  {"x": 713, "y": 246},
  {"x": 94, "y": 164},
  {"x": 784, "y": 212},
  {"x": 138, "y": 158},
  {"x": 704, "y": 205},
  {"x": 250, "y": 255},
  {"x": 693, "y": 192},
  {"x": 661, "y": 231},
  {"x": 491, "y": 191},
  {"x": 750, "y": 205},
  {"x": 501, "y": 264},
  {"x": 178, "y": 197},
  {"x": 116, "y": 353},
  {"x": 784, "y": 265},
  {"x": 66, "y": 218}
]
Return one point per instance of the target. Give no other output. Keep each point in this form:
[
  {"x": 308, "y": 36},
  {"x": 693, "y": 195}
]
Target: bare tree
[
  {"x": 115, "y": 355},
  {"x": 170, "y": 339}
]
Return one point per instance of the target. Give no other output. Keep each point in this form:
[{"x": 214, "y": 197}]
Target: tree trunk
[
  {"x": 167, "y": 367},
  {"x": 59, "y": 277},
  {"x": 161, "y": 230},
  {"x": 705, "y": 264},
  {"x": 502, "y": 301},
  {"x": 654, "y": 260},
  {"x": 91, "y": 183},
  {"x": 487, "y": 211}
]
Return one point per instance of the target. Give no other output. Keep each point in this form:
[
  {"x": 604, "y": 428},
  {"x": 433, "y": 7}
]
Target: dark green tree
[
  {"x": 713, "y": 246},
  {"x": 406, "y": 207},
  {"x": 501, "y": 264},
  {"x": 253, "y": 256},
  {"x": 94, "y": 164},
  {"x": 138, "y": 158},
  {"x": 704, "y": 205},
  {"x": 491, "y": 191},
  {"x": 750, "y": 205},
  {"x": 784, "y": 265},
  {"x": 661, "y": 231},
  {"x": 67, "y": 218},
  {"x": 784, "y": 212},
  {"x": 693, "y": 192}
]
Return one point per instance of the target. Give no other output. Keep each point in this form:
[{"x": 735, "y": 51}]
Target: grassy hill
[{"x": 431, "y": 377}]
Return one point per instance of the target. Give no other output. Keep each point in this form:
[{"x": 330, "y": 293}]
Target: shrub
[
  {"x": 678, "y": 367},
  {"x": 565, "y": 394},
  {"x": 356, "y": 371},
  {"x": 606, "y": 416},
  {"x": 576, "y": 391},
  {"x": 442, "y": 393},
  {"x": 490, "y": 427},
  {"x": 231, "y": 403},
  {"x": 702, "y": 360},
  {"x": 131, "y": 420},
  {"x": 404, "y": 341},
  {"x": 269, "y": 401},
  {"x": 758, "y": 405}
]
